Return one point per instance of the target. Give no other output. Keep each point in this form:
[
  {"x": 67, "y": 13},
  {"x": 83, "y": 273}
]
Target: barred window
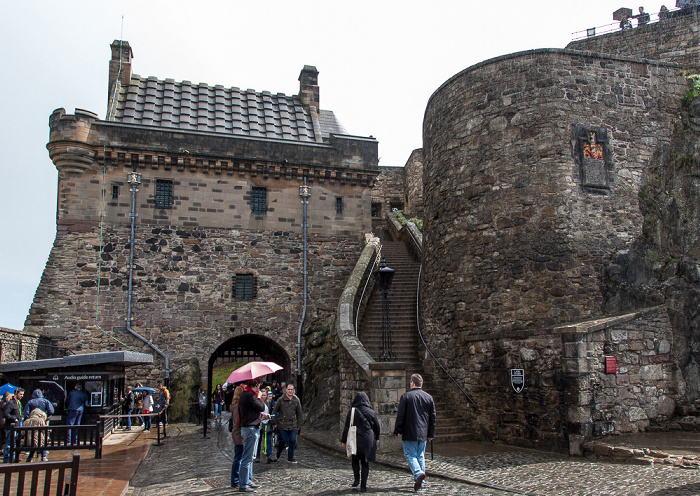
[
  {"x": 115, "y": 192},
  {"x": 164, "y": 193},
  {"x": 245, "y": 286},
  {"x": 339, "y": 205},
  {"x": 258, "y": 200}
]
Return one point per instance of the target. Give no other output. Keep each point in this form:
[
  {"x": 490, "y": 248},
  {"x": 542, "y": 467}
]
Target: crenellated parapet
[{"x": 68, "y": 140}]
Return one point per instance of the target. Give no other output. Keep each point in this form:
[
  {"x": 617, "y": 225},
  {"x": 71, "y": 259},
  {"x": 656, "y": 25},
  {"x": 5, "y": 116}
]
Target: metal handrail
[
  {"x": 615, "y": 26},
  {"x": 369, "y": 276},
  {"x": 415, "y": 241},
  {"x": 420, "y": 334}
]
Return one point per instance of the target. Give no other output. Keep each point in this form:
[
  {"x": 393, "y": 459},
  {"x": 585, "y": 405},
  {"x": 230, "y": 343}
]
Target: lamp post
[{"x": 384, "y": 276}]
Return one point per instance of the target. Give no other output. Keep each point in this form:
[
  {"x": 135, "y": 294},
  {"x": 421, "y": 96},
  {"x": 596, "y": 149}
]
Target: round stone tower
[{"x": 532, "y": 169}]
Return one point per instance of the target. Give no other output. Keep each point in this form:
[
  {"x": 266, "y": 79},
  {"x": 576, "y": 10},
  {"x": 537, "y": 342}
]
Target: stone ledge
[{"x": 639, "y": 456}]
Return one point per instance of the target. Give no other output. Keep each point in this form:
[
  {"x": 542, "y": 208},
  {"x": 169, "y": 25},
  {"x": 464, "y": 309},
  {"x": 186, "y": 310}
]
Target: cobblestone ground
[{"x": 188, "y": 464}]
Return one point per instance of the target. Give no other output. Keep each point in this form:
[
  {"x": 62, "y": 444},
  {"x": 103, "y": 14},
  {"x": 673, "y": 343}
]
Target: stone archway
[{"x": 247, "y": 348}]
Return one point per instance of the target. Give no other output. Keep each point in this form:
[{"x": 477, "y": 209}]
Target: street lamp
[{"x": 384, "y": 275}]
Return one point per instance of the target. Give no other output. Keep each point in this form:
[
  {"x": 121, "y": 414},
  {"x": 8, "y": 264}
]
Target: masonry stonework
[
  {"x": 676, "y": 39},
  {"x": 413, "y": 183},
  {"x": 218, "y": 198},
  {"x": 531, "y": 182}
]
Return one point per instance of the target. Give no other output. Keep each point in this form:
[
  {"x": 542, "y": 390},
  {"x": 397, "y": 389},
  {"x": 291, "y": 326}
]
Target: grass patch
[
  {"x": 404, "y": 217},
  {"x": 221, "y": 373}
]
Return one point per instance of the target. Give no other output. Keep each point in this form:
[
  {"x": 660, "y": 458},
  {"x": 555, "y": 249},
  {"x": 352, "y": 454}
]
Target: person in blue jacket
[{"x": 75, "y": 404}]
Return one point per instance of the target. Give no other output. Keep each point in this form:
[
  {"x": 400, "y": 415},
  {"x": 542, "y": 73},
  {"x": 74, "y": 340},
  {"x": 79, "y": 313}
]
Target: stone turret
[{"x": 68, "y": 138}]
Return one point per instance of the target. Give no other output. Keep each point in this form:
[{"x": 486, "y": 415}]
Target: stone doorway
[{"x": 249, "y": 348}]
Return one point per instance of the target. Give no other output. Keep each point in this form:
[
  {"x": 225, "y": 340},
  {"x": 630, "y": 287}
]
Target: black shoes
[
  {"x": 356, "y": 483},
  {"x": 419, "y": 482}
]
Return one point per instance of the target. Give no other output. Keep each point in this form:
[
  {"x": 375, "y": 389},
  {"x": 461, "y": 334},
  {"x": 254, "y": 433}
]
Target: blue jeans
[
  {"x": 288, "y": 438},
  {"x": 414, "y": 451},
  {"x": 250, "y": 443},
  {"x": 217, "y": 409},
  {"x": 236, "y": 465},
  {"x": 74, "y": 417},
  {"x": 128, "y": 419},
  {"x": 6, "y": 448}
]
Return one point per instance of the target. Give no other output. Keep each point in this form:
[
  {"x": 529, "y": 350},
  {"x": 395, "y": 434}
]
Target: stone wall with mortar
[
  {"x": 568, "y": 398},
  {"x": 516, "y": 232},
  {"x": 388, "y": 190},
  {"x": 183, "y": 288},
  {"x": 516, "y": 238},
  {"x": 676, "y": 39},
  {"x": 17, "y": 345},
  {"x": 413, "y": 182}
]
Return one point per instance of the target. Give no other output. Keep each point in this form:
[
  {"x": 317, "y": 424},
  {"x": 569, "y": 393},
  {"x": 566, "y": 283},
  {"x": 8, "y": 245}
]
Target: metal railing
[
  {"x": 362, "y": 296},
  {"x": 616, "y": 26},
  {"x": 420, "y": 334}
]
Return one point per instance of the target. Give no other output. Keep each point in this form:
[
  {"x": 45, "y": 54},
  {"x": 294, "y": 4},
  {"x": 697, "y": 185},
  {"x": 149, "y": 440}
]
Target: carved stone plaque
[{"x": 592, "y": 153}]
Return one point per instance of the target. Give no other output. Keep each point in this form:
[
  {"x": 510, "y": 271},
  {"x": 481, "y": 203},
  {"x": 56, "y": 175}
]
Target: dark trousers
[{"x": 358, "y": 460}]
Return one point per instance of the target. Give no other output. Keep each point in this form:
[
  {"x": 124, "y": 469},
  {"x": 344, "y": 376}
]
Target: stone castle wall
[
  {"x": 676, "y": 39},
  {"x": 413, "y": 182},
  {"x": 183, "y": 283},
  {"x": 17, "y": 345},
  {"x": 517, "y": 235},
  {"x": 388, "y": 189},
  {"x": 568, "y": 397},
  {"x": 532, "y": 170}
]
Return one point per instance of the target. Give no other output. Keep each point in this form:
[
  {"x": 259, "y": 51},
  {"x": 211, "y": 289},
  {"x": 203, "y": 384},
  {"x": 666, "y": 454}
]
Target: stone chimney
[
  {"x": 308, "y": 87},
  {"x": 308, "y": 94},
  {"x": 119, "y": 68}
]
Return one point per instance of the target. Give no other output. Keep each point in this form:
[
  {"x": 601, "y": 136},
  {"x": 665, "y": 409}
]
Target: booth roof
[{"x": 125, "y": 358}]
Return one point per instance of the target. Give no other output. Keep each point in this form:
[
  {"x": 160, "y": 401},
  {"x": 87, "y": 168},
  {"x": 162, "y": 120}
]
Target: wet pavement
[{"x": 189, "y": 464}]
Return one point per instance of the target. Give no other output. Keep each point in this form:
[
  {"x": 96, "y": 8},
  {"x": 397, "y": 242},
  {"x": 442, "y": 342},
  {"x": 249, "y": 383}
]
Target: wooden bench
[
  {"x": 40, "y": 477},
  {"x": 55, "y": 437}
]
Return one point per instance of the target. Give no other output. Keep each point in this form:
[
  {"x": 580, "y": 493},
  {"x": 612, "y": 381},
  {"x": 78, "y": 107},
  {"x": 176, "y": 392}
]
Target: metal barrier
[
  {"x": 55, "y": 437},
  {"x": 159, "y": 423}
]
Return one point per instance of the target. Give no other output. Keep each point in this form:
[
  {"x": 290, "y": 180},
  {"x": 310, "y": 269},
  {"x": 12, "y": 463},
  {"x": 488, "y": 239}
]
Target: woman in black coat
[{"x": 367, "y": 425}]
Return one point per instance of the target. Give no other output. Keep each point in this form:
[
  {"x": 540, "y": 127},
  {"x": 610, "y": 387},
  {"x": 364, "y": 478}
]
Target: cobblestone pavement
[{"x": 189, "y": 464}]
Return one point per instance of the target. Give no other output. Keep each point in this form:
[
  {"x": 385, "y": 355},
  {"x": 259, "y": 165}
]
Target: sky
[{"x": 379, "y": 62}]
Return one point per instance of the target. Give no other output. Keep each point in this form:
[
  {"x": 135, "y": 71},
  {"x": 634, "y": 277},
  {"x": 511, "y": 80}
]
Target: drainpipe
[
  {"x": 305, "y": 193},
  {"x": 134, "y": 179}
]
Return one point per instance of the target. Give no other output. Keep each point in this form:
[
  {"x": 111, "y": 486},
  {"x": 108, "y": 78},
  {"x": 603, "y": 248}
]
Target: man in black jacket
[
  {"x": 12, "y": 412},
  {"x": 415, "y": 426}
]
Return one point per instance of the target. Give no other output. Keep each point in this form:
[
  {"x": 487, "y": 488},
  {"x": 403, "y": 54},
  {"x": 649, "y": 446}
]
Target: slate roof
[{"x": 200, "y": 107}]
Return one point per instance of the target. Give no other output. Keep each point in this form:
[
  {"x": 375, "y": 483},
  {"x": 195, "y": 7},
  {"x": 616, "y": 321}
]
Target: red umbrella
[{"x": 251, "y": 370}]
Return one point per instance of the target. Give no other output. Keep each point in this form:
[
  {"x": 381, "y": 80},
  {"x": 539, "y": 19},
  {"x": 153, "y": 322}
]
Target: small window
[
  {"x": 244, "y": 287},
  {"x": 164, "y": 193},
  {"x": 376, "y": 209},
  {"x": 258, "y": 200},
  {"x": 339, "y": 205},
  {"x": 115, "y": 192}
]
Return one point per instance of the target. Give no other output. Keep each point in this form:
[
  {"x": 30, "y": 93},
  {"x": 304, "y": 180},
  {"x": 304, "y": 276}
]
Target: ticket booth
[{"x": 101, "y": 375}]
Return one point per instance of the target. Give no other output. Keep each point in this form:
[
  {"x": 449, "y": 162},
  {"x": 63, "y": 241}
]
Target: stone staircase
[{"x": 404, "y": 331}]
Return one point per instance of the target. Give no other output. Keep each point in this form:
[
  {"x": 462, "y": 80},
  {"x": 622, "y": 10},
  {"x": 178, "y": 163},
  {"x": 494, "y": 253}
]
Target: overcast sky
[{"x": 378, "y": 61}]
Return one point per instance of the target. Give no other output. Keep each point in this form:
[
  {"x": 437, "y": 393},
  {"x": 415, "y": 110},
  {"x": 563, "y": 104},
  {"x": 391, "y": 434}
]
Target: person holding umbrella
[{"x": 250, "y": 410}]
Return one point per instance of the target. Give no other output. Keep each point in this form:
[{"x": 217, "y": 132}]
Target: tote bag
[{"x": 351, "y": 443}]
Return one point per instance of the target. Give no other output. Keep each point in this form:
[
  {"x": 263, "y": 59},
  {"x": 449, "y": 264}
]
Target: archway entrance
[{"x": 249, "y": 348}]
